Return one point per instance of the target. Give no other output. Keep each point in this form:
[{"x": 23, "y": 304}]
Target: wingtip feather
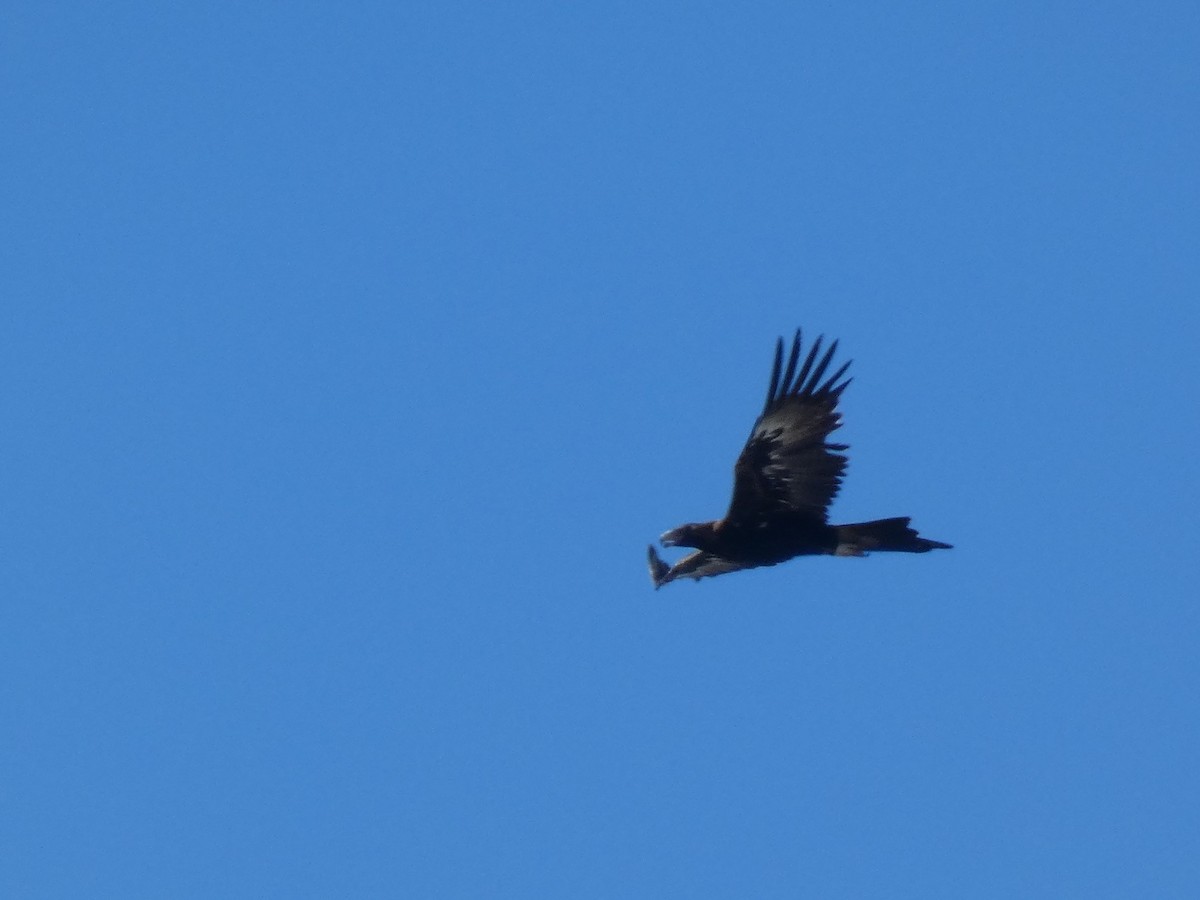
[
  {"x": 793, "y": 358},
  {"x": 773, "y": 385}
]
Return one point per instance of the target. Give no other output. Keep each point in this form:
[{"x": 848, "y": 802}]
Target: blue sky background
[{"x": 352, "y": 354}]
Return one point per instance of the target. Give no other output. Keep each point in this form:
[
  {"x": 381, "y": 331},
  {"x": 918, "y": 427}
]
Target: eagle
[{"x": 783, "y": 482}]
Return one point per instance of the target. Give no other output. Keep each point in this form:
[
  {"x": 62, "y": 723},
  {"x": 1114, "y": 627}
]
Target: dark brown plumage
[{"x": 783, "y": 483}]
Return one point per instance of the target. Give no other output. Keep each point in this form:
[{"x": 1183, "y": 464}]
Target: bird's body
[{"x": 784, "y": 480}]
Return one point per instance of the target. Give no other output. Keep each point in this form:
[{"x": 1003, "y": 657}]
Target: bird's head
[{"x": 697, "y": 534}]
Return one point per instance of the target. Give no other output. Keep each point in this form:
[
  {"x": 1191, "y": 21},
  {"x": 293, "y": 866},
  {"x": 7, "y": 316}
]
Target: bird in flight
[{"x": 783, "y": 482}]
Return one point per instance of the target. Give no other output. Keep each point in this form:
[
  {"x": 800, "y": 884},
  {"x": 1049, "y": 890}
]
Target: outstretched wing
[
  {"x": 787, "y": 467},
  {"x": 695, "y": 565}
]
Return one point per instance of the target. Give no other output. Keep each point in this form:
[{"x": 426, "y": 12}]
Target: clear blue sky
[{"x": 353, "y": 353}]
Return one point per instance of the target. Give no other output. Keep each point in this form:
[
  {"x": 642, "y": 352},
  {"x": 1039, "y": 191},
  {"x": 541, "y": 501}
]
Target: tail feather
[{"x": 883, "y": 534}]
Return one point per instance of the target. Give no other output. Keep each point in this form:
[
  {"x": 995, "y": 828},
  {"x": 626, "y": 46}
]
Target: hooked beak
[{"x": 670, "y": 538}]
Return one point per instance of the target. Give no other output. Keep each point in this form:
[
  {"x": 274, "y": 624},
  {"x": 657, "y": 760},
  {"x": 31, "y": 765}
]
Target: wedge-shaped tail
[{"x": 883, "y": 534}]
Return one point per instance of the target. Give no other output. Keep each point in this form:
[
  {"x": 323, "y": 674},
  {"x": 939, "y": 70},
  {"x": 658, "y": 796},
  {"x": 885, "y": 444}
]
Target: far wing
[
  {"x": 787, "y": 467},
  {"x": 695, "y": 565}
]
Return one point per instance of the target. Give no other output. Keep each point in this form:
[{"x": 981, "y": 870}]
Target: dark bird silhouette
[{"x": 783, "y": 482}]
